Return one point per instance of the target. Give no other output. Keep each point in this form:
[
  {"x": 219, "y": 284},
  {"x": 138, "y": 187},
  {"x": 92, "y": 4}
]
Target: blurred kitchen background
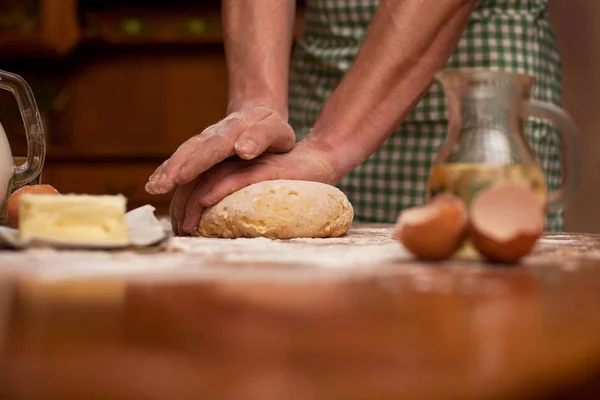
[{"x": 121, "y": 83}]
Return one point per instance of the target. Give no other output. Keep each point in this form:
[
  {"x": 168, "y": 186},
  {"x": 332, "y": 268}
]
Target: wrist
[
  {"x": 327, "y": 166},
  {"x": 246, "y": 105},
  {"x": 339, "y": 156},
  {"x": 345, "y": 137},
  {"x": 243, "y": 100}
]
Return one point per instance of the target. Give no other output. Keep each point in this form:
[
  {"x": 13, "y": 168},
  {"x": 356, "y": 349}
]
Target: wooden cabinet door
[{"x": 144, "y": 105}]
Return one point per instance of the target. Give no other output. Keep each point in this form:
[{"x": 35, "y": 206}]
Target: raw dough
[
  {"x": 280, "y": 209},
  {"x": 74, "y": 219}
]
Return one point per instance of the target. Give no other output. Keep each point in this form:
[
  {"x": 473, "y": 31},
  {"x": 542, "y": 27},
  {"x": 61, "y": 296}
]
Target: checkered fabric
[{"x": 512, "y": 35}]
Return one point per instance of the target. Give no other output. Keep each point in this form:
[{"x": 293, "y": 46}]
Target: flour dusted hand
[
  {"x": 246, "y": 133},
  {"x": 280, "y": 209}
]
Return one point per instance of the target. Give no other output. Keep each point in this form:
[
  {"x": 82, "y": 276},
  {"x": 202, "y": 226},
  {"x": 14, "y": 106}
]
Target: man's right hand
[{"x": 247, "y": 133}]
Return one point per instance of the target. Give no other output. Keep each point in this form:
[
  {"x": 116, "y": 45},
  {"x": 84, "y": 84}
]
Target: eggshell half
[
  {"x": 505, "y": 222},
  {"x": 435, "y": 231}
]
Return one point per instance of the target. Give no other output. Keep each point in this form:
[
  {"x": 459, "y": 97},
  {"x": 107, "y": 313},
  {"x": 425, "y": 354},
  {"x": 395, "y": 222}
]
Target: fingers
[
  {"x": 272, "y": 133},
  {"x": 216, "y": 146},
  {"x": 246, "y": 134},
  {"x": 178, "y": 206},
  {"x": 232, "y": 182},
  {"x": 197, "y": 155},
  {"x": 157, "y": 172},
  {"x": 160, "y": 182},
  {"x": 194, "y": 207}
]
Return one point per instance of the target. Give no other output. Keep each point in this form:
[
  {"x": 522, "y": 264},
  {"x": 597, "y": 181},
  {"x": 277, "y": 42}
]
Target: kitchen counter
[{"x": 348, "y": 318}]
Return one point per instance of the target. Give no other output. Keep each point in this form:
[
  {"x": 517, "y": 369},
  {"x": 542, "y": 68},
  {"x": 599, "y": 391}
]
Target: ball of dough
[{"x": 280, "y": 209}]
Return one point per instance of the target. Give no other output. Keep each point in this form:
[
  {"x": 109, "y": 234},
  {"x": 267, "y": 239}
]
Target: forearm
[
  {"x": 258, "y": 37},
  {"x": 407, "y": 42}
]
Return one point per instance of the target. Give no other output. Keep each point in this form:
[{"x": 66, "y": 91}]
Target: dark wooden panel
[
  {"x": 107, "y": 178},
  {"x": 142, "y": 104}
]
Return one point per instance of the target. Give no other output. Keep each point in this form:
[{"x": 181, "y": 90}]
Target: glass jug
[
  {"x": 486, "y": 142},
  {"x": 12, "y": 176}
]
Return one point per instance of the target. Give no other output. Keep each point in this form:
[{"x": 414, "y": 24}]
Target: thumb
[{"x": 272, "y": 134}]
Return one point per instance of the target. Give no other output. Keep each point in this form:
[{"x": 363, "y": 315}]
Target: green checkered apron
[{"x": 513, "y": 35}]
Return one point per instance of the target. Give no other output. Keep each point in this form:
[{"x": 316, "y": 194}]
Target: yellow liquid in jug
[{"x": 466, "y": 180}]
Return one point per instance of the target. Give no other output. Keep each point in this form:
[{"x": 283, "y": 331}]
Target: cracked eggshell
[
  {"x": 505, "y": 222},
  {"x": 435, "y": 231}
]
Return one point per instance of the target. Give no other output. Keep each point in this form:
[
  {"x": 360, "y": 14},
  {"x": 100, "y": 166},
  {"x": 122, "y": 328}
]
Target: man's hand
[
  {"x": 304, "y": 162},
  {"x": 247, "y": 134}
]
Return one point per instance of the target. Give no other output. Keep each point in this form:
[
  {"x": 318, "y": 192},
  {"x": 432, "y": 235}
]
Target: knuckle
[
  {"x": 184, "y": 176},
  {"x": 165, "y": 166},
  {"x": 198, "y": 138},
  {"x": 234, "y": 122}
]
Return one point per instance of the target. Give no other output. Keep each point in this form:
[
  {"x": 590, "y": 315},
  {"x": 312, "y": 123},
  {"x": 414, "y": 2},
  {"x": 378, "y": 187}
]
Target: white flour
[
  {"x": 361, "y": 249},
  {"x": 361, "y": 246}
]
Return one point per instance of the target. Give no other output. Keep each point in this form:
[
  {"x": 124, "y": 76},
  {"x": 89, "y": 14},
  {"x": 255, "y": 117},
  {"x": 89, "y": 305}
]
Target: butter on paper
[
  {"x": 74, "y": 218},
  {"x": 144, "y": 230}
]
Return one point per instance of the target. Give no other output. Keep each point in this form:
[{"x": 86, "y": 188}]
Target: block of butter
[{"x": 74, "y": 219}]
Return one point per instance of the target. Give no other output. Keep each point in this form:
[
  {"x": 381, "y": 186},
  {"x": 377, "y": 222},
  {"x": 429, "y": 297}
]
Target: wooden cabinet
[
  {"x": 197, "y": 23},
  {"x": 139, "y": 105},
  {"x": 38, "y": 27}
]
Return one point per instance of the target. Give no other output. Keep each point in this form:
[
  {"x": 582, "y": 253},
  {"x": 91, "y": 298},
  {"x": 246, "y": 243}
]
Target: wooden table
[{"x": 397, "y": 330}]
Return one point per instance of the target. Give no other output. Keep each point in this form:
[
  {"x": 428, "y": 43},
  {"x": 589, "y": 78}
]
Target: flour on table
[
  {"x": 360, "y": 247},
  {"x": 185, "y": 257},
  {"x": 364, "y": 251}
]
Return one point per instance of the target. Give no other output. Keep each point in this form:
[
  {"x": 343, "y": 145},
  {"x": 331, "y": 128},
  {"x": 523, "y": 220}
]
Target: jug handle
[
  {"x": 570, "y": 137},
  {"x": 36, "y": 147}
]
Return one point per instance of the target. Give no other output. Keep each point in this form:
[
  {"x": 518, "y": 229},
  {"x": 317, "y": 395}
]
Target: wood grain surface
[{"x": 403, "y": 330}]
